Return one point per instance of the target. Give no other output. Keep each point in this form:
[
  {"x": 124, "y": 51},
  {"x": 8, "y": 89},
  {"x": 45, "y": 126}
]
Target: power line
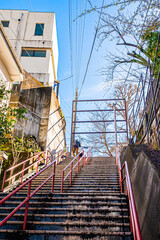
[
  {"x": 84, "y": 78},
  {"x": 66, "y": 78},
  {"x": 70, "y": 40}
]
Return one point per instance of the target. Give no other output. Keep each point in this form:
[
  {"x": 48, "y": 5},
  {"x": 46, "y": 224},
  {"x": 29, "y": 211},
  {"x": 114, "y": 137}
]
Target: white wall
[{"x": 40, "y": 67}]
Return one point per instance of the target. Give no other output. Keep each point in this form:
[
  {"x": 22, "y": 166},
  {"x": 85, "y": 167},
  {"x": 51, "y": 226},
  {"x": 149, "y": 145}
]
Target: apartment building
[{"x": 33, "y": 37}]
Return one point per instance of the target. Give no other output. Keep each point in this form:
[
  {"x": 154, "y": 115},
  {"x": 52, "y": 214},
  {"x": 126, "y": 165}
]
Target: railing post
[
  {"x": 4, "y": 179},
  {"x": 78, "y": 165},
  {"x": 62, "y": 181},
  {"x": 37, "y": 164},
  {"x": 121, "y": 177},
  {"x": 54, "y": 171},
  {"x": 71, "y": 174},
  {"x": 58, "y": 157},
  {"x": 22, "y": 173},
  {"x": 126, "y": 116},
  {"x": 47, "y": 158},
  {"x": 87, "y": 158},
  {"x": 27, "y": 205},
  {"x": 115, "y": 125}
]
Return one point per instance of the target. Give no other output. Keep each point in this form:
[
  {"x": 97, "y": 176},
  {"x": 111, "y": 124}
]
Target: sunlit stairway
[{"x": 92, "y": 208}]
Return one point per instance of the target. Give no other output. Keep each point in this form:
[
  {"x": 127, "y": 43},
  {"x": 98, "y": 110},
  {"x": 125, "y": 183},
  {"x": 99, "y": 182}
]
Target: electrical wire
[{"x": 95, "y": 35}]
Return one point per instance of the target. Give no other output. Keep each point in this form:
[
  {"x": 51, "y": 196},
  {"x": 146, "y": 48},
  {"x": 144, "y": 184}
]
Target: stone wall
[
  {"x": 145, "y": 179},
  {"x": 44, "y": 117}
]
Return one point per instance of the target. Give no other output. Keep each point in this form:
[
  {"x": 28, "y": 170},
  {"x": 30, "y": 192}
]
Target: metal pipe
[{"x": 27, "y": 205}]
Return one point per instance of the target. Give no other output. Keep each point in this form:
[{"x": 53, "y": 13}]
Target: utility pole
[{"x": 73, "y": 124}]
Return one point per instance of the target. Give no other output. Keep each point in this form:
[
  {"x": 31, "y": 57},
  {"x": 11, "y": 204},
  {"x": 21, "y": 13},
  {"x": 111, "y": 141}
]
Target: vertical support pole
[
  {"x": 121, "y": 177},
  {"x": 78, "y": 165},
  {"x": 154, "y": 109},
  {"x": 71, "y": 144},
  {"x": 62, "y": 181},
  {"x": 54, "y": 171},
  {"x": 27, "y": 205},
  {"x": 115, "y": 125},
  {"x": 126, "y": 118},
  {"x": 47, "y": 158},
  {"x": 87, "y": 158},
  {"x": 73, "y": 124},
  {"x": 71, "y": 174},
  {"x": 22, "y": 173},
  {"x": 4, "y": 180},
  {"x": 144, "y": 102},
  {"x": 58, "y": 157},
  {"x": 37, "y": 164}
]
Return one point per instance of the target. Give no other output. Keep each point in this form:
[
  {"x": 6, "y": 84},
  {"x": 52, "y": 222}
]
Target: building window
[
  {"x": 5, "y": 23},
  {"x": 33, "y": 53},
  {"x": 39, "y": 29}
]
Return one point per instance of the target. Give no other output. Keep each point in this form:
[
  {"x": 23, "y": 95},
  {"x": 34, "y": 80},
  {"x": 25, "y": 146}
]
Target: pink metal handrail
[
  {"x": 29, "y": 194},
  {"x": 85, "y": 158},
  {"x": 63, "y": 152},
  {"x": 47, "y": 152},
  {"x": 135, "y": 228}
]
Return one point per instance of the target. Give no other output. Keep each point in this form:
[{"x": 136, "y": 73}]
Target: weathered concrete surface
[
  {"x": 145, "y": 179},
  {"x": 44, "y": 117}
]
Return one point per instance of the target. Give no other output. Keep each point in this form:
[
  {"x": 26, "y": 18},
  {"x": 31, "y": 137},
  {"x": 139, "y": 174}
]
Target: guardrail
[
  {"x": 43, "y": 156},
  {"x": 85, "y": 160},
  {"x": 29, "y": 194},
  {"x": 135, "y": 228}
]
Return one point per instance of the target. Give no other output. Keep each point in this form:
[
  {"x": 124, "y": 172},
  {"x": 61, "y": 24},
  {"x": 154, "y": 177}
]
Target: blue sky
[{"x": 94, "y": 83}]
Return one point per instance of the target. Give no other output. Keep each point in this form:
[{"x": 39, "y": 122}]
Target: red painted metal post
[
  {"x": 58, "y": 157},
  {"x": 121, "y": 180},
  {"x": 22, "y": 172},
  {"x": 62, "y": 181},
  {"x": 115, "y": 125},
  {"x": 47, "y": 158},
  {"x": 54, "y": 171},
  {"x": 37, "y": 164},
  {"x": 27, "y": 205},
  {"x": 78, "y": 165},
  {"x": 71, "y": 174},
  {"x": 126, "y": 119},
  {"x": 4, "y": 180}
]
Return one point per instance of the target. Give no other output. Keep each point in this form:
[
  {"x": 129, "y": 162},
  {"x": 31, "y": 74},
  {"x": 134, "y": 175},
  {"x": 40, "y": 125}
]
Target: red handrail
[
  {"x": 29, "y": 194},
  {"x": 135, "y": 228},
  {"x": 85, "y": 158},
  {"x": 47, "y": 152}
]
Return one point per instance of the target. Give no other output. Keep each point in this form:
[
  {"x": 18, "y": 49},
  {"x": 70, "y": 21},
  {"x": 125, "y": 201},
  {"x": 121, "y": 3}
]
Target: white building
[
  {"x": 33, "y": 37},
  {"x": 10, "y": 68}
]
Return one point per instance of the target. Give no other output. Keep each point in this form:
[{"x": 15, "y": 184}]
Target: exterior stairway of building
[{"x": 92, "y": 208}]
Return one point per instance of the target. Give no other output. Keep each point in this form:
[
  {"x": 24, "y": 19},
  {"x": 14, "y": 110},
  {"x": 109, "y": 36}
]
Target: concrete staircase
[{"x": 92, "y": 208}]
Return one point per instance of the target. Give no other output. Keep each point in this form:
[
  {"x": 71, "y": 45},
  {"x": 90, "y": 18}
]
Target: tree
[
  {"x": 8, "y": 116},
  {"x": 104, "y": 142},
  {"x": 133, "y": 26},
  {"x": 101, "y": 141}
]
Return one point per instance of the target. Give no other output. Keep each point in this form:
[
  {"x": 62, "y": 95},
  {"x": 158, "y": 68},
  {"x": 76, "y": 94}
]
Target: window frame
[
  {"x": 42, "y": 29},
  {"x": 25, "y": 54},
  {"x": 5, "y": 21}
]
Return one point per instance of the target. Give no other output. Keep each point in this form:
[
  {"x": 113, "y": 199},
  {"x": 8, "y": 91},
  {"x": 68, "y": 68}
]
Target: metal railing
[
  {"x": 35, "y": 161},
  {"x": 135, "y": 228},
  {"x": 29, "y": 194},
  {"x": 145, "y": 110},
  {"x": 85, "y": 160}
]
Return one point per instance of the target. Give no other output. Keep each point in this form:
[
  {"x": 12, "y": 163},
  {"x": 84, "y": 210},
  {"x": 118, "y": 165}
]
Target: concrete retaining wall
[
  {"x": 145, "y": 179},
  {"x": 44, "y": 117}
]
